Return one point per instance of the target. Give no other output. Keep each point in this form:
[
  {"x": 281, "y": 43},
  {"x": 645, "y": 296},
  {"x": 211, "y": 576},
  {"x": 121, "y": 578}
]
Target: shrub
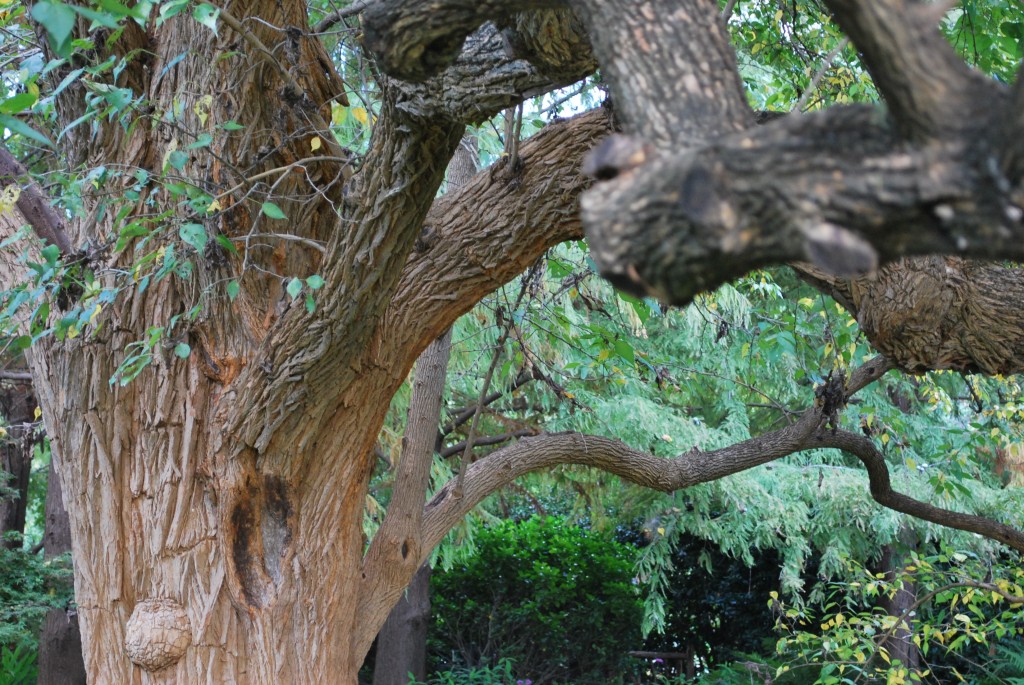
[{"x": 556, "y": 599}]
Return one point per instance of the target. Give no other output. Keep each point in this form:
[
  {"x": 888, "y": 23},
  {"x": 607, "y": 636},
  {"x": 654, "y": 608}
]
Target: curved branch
[
  {"x": 881, "y": 490},
  {"x": 530, "y": 454}
]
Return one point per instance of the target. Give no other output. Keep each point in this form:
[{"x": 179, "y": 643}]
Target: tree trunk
[
  {"x": 402, "y": 642},
  {"x": 900, "y": 646},
  {"x": 60, "y": 643},
  {"x": 17, "y": 405}
]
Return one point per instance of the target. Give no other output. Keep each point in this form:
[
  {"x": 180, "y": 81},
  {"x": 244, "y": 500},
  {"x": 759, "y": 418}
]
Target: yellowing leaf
[
  {"x": 661, "y": 531},
  {"x": 9, "y": 197},
  {"x": 95, "y": 313},
  {"x": 360, "y": 114},
  {"x": 171, "y": 147},
  {"x": 314, "y": 144},
  {"x": 38, "y": 413},
  {"x": 202, "y": 108},
  {"x": 215, "y": 206}
]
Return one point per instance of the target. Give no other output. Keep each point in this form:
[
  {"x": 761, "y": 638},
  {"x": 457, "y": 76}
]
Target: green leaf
[
  {"x": 51, "y": 253},
  {"x": 232, "y": 126},
  {"x": 294, "y": 287},
  {"x": 233, "y": 289},
  {"x": 18, "y": 103},
  {"x": 207, "y": 16},
  {"x": 310, "y": 303},
  {"x": 67, "y": 81},
  {"x": 315, "y": 282},
  {"x": 272, "y": 210},
  {"x": 59, "y": 21},
  {"x": 182, "y": 350},
  {"x": 21, "y": 128},
  {"x": 169, "y": 9},
  {"x": 203, "y": 140},
  {"x": 226, "y": 243},
  {"x": 194, "y": 235},
  {"x": 177, "y": 159}
]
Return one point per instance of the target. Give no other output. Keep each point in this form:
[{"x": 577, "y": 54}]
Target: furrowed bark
[
  {"x": 936, "y": 313},
  {"x": 670, "y": 66},
  {"x": 466, "y": 254},
  {"x": 835, "y": 188},
  {"x": 415, "y": 40},
  {"x": 393, "y": 558}
]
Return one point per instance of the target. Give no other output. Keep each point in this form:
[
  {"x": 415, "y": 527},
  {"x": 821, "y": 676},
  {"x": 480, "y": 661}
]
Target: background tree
[{"x": 258, "y": 293}]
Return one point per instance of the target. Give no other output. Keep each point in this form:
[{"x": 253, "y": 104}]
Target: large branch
[
  {"x": 929, "y": 90},
  {"x": 936, "y": 313},
  {"x": 488, "y": 233},
  {"x": 670, "y": 67},
  {"x": 416, "y": 39},
  {"x": 505, "y": 465},
  {"x": 835, "y": 188}
]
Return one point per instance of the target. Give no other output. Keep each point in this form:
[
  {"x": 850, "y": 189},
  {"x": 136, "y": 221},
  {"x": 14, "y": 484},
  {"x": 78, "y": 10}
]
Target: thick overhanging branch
[
  {"x": 935, "y": 313},
  {"x": 835, "y": 188},
  {"x": 416, "y": 39},
  {"x": 929, "y": 90},
  {"x": 881, "y": 489}
]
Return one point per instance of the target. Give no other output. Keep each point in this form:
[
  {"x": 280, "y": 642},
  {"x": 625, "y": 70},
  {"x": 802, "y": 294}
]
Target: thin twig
[
  {"x": 337, "y": 16},
  {"x": 825, "y": 66},
  {"x": 498, "y": 346}
]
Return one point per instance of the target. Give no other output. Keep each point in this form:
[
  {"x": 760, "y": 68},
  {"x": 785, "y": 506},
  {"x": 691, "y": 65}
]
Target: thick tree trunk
[
  {"x": 216, "y": 502},
  {"x": 17, "y": 405},
  {"x": 60, "y": 643}
]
